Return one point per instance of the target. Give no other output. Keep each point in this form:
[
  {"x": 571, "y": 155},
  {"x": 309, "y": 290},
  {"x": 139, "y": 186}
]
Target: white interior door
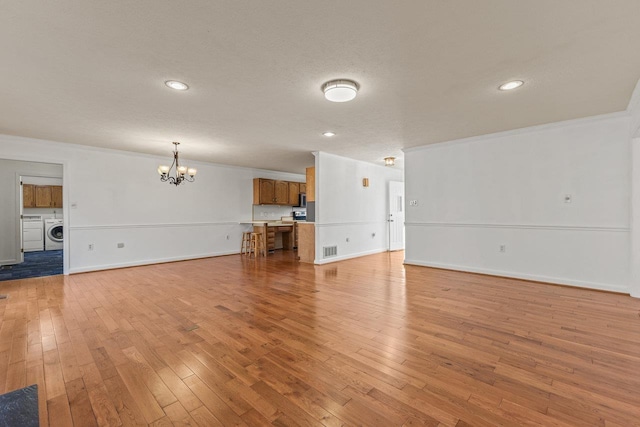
[{"x": 396, "y": 215}]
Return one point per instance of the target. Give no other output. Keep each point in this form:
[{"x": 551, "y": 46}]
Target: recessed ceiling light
[
  {"x": 329, "y": 134},
  {"x": 340, "y": 90},
  {"x": 511, "y": 85},
  {"x": 174, "y": 84}
]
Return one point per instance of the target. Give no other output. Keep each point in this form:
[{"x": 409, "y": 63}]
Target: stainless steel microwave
[{"x": 302, "y": 200}]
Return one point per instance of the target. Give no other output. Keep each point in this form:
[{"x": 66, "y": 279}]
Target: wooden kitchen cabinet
[
  {"x": 306, "y": 242},
  {"x": 303, "y": 187},
  {"x": 43, "y": 196},
  {"x": 28, "y": 196},
  {"x": 273, "y": 192},
  {"x": 264, "y": 191},
  {"x": 294, "y": 193},
  {"x": 311, "y": 184},
  {"x": 56, "y": 196},
  {"x": 282, "y": 193}
]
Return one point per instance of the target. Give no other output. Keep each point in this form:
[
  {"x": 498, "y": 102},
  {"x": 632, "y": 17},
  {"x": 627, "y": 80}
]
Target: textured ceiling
[{"x": 93, "y": 72}]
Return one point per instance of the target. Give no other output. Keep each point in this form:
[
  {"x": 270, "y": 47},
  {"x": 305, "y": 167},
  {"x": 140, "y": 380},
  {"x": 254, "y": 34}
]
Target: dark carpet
[
  {"x": 36, "y": 264},
  {"x": 19, "y": 408}
]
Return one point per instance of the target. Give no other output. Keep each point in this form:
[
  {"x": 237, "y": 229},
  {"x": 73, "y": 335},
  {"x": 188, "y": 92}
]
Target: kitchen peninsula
[{"x": 275, "y": 233}]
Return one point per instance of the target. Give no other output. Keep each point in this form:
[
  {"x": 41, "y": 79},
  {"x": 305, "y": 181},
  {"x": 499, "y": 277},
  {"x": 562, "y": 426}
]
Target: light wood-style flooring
[{"x": 237, "y": 341}]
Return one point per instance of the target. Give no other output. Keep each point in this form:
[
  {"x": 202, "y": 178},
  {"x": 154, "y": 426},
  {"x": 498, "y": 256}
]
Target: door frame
[
  {"x": 391, "y": 220},
  {"x": 65, "y": 195}
]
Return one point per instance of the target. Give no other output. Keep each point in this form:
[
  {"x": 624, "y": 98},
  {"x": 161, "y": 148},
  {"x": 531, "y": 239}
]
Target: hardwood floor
[{"x": 236, "y": 341}]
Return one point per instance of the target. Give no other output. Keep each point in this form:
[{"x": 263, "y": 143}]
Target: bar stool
[
  {"x": 245, "y": 246},
  {"x": 256, "y": 246}
]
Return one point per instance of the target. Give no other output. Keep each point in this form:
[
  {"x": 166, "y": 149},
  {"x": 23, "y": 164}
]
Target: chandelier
[{"x": 181, "y": 172}]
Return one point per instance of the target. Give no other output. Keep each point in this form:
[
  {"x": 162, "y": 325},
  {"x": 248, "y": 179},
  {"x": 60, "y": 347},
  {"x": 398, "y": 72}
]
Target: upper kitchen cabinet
[
  {"x": 43, "y": 196},
  {"x": 294, "y": 193},
  {"x": 264, "y": 191},
  {"x": 56, "y": 196},
  {"x": 303, "y": 187},
  {"x": 272, "y": 192},
  {"x": 282, "y": 193},
  {"x": 28, "y": 195}
]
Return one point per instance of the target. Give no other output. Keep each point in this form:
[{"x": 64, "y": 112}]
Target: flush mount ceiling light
[
  {"x": 340, "y": 90},
  {"x": 329, "y": 134},
  {"x": 174, "y": 84},
  {"x": 511, "y": 85},
  {"x": 389, "y": 161},
  {"x": 180, "y": 173}
]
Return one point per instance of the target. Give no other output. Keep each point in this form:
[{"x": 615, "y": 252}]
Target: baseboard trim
[
  {"x": 146, "y": 262},
  {"x": 531, "y": 277},
  {"x": 349, "y": 256}
]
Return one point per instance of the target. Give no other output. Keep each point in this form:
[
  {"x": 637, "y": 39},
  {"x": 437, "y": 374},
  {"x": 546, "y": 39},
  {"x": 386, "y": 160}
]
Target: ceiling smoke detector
[{"x": 340, "y": 90}]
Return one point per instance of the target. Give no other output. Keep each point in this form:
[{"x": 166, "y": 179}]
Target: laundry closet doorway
[{"x": 32, "y": 205}]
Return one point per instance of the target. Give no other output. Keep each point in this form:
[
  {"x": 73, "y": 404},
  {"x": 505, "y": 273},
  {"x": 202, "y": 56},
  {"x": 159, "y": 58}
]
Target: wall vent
[{"x": 330, "y": 251}]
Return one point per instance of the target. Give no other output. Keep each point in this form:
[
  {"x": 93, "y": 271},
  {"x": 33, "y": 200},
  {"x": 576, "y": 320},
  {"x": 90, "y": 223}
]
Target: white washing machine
[
  {"x": 32, "y": 233},
  {"x": 53, "y": 234}
]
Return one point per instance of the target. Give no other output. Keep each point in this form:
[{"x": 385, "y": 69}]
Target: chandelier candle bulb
[{"x": 192, "y": 171}]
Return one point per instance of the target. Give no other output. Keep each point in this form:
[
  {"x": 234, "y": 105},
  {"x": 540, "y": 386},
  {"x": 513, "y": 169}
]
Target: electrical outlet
[
  {"x": 413, "y": 203},
  {"x": 503, "y": 248},
  {"x": 90, "y": 246},
  {"x": 120, "y": 245}
]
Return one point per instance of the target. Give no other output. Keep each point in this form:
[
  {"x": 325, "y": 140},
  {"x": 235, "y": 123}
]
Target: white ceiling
[{"x": 92, "y": 72}]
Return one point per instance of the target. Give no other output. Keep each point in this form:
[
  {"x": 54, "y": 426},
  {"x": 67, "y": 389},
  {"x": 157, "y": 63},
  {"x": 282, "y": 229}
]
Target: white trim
[
  {"x": 92, "y": 148},
  {"x": 339, "y": 224},
  {"x": 186, "y": 224},
  {"x": 519, "y": 226},
  {"x": 634, "y": 100},
  {"x": 521, "y": 131},
  {"x": 634, "y": 110},
  {"x": 345, "y": 257},
  {"x": 533, "y": 277},
  {"x": 149, "y": 262}
]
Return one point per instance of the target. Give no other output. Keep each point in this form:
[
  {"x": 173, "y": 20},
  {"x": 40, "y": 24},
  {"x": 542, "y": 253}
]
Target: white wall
[
  {"x": 347, "y": 210},
  {"x": 634, "y": 134},
  {"x": 477, "y": 194},
  {"x": 113, "y": 197},
  {"x": 10, "y": 172}
]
